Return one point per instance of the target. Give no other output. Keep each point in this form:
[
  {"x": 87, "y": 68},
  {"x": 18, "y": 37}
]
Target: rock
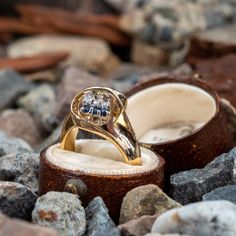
[
  {"x": 98, "y": 219},
  {"x": 24, "y": 126},
  {"x": 122, "y": 5},
  {"x": 168, "y": 25},
  {"x": 203, "y": 218},
  {"x": 16, "y": 200},
  {"x": 61, "y": 211},
  {"x": 220, "y": 74},
  {"x": 53, "y": 138},
  {"x": 157, "y": 234},
  {"x": 127, "y": 70},
  {"x": 145, "y": 200},
  {"x": 190, "y": 186},
  {"x": 224, "y": 193},
  {"x": 147, "y": 55},
  {"x": 222, "y": 41},
  {"x": 12, "y": 85},
  {"x": 88, "y": 53},
  {"x": 72, "y": 82},
  {"x": 40, "y": 102},
  {"x": 183, "y": 69},
  {"x": 127, "y": 74},
  {"x": 20, "y": 167},
  {"x": 137, "y": 227},
  {"x": 232, "y": 153},
  {"x": 49, "y": 75},
  {"x": 11, "y": 145},
  {"x": 16, "y": 227}
]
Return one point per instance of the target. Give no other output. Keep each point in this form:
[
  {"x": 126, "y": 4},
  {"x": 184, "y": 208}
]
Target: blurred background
[{"x": 49, "y": 50}]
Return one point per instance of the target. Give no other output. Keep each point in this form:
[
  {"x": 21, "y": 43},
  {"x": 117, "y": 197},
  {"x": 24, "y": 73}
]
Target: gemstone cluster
[{"x": 96, "y": 106}]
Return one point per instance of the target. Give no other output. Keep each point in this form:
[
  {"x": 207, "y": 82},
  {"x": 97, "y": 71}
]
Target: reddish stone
[
  {"x": 14, "y": 227},
  {"x": 72, "y": 82},
  {"x": 33, "y": 63},
  {"x": 138, "y": 227},
  {"x": 19, "y": 123},
  {"x": 220, "y": 73}
]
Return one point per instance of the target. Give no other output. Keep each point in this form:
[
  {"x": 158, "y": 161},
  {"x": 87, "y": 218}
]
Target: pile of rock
[
  {"x": 162, "y": 28},
  {"x": 203, "y": 201},
  {"x": 144, "y": 38}
]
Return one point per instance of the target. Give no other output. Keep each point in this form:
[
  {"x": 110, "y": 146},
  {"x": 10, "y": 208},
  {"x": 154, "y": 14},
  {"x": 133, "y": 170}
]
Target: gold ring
[{"x": 101, "y": 111}]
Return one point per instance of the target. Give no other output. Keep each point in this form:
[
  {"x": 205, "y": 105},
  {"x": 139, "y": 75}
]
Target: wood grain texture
[
  {"x": 200, "y": 147},
  {"x": 111, "y": 188}
]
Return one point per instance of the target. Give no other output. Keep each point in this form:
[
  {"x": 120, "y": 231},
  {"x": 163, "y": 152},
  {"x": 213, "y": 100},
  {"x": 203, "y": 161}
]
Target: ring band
[{"x": 101, "y": 111}]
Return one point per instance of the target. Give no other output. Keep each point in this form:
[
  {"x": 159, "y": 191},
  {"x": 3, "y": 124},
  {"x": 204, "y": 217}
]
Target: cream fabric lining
[
  {"x": 99, "y": 157},
  {"x": 151, "y": 110}
]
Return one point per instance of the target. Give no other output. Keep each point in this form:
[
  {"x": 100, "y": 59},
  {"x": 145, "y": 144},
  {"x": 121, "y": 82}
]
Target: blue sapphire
[
  {"x": 96, "y": 111},
  {"x": 104, "y": 112},
  {"x": 85, "y": 108}
]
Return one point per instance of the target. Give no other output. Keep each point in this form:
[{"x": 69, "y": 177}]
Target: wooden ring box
[
  {"x": 168, "y": 99},
  {"x": 100, "y": 166}
]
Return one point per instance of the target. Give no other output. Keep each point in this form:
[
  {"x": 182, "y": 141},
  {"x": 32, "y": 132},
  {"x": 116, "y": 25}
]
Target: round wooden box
[
  {"x": 181, "y": 119},
  {"x": 100, "y": 166}
]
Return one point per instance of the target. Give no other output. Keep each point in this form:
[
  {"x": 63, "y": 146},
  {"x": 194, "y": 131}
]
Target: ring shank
[{"x": 120, "y": 137}]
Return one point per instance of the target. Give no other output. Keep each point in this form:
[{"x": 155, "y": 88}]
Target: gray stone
[
  {"x": 53, "y": 138},
  {"x": 11, "y": 145},
  {"x": 145, "y": 200},
  {"x": 126, "y": 75},
  {"x": 137, "y": 227},
  {"x": 214, "y": 18},
  {"x": 190, "y": 186},
  {"x": 219, "y": 36},
  {"x": 98, "y": 220},
  {"x": 61, "y": 211},
  {"x": 24, "y": 126},
  {"x": 127, "y": 70},
  {"x": 16, "y": 200},
  {"x": 40, "y": 102},
  {"x": 199, "y": 219},
  {"x": 72, "y": 82},
  {"x": 20, "y": 167},
  {"x": 157, "y": 234},
  {"x": 88, "y": 53},
  {"x": 224, "y": 193},
  {"x": 183, "y": 69},
  {"x": 15, "y": 227},
  {"x": 12, "y": 85},
  {"x": 169, "y": 24}
]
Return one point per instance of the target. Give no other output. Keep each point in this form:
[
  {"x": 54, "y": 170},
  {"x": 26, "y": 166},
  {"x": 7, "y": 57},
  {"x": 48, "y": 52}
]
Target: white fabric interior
[
  {"x": 163, "y": 112},
  {"x": 99, "y": 157}
]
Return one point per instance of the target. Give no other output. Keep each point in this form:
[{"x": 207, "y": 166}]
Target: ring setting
[
  {"x": 101, "y": 111},
  {"x": 95, "y": 108}
]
